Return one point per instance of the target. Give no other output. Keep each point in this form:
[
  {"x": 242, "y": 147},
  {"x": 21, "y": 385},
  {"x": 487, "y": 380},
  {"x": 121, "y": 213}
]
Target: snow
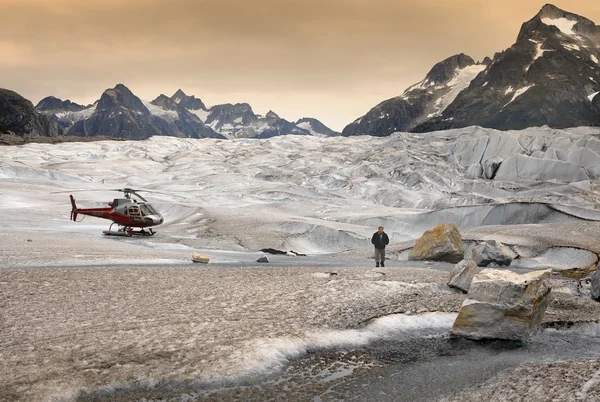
[
  {"x": 539, "y": 52},
  {"x": 160, "y": 112},
  {"x": 518, "y": 93},
  {"x": 308, "y": 127},
  {"x": 124, "y": 309},
  {"x": 594, "y": 58},
  {"x": 202, "y": 114},
  {"x": 572, "y": 46},
  {"x": 76, "y": 116},
  {"x": 591, "y": 96},
  {"x": 564, "y": 24},
  {"x": 461, "y": 80}
]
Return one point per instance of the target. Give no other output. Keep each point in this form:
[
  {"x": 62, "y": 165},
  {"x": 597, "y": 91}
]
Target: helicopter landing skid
[{"x": 128, "y": 232}]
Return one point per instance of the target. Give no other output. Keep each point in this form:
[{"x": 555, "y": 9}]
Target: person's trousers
[{"x": 379, "y": 255}]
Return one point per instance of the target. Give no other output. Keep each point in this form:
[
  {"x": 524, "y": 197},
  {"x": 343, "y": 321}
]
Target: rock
[
  {"x": 595, "y": 293},
  {"x": 272, "y": 251},
  {"x": 196, "y": 257},
  {"x": 491, "y": 251},
  {"x": 441, "y": 243},
  {"x": 462, "y": 274},
  {"x": 503, "y": 305},
  {"x": 263, "y": 259}
]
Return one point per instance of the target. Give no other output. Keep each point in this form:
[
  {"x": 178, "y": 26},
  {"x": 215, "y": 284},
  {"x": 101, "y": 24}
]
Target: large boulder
[
  {"x": 462, "y": 275},
  {"x": 503, "y": 305},
  {"x": 491, "y": 252},
  {"x": 441, "y": 243}
]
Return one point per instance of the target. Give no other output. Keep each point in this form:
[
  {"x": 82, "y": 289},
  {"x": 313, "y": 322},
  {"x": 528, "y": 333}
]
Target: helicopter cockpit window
[
  {"x": 151, "y": 211},
  {"x": 145, "y": 210}
]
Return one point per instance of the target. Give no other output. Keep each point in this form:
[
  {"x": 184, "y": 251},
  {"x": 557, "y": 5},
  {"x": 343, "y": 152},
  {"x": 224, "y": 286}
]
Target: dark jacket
[{"x": 380, "y": 242}]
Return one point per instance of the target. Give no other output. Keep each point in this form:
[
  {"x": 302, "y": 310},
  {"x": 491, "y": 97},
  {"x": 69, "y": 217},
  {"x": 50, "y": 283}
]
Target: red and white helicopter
[{"x": 126, "y": 213}]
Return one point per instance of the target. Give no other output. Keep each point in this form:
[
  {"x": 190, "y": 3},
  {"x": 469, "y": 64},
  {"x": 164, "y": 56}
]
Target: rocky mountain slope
[
  {"x": 550, "y": 76},
  {"x": 17, "y": 115},
  {"x": 121, "y": 114}
]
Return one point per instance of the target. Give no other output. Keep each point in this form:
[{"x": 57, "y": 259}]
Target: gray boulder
[
  {"x": 441, "y": 243},
  {"x": 462, "y": 275},
  {"x": 491, "y": 252},
  {"x": 503, "y": 305}
]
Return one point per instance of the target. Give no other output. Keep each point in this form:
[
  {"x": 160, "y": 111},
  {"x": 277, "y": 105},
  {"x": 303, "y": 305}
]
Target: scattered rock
[
  {"x": 441, "y": 243},
  {"x": 491, "y": 252},
  {"x": 462, "y": 275},
  {"x": 263, "y": 259},
  {"x": 504, "y": 305},
  {"x": 273, "y": 251},
  {"x": 197, "y": 257}
]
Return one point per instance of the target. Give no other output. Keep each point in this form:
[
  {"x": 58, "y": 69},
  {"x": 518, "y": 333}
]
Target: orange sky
[{"x": 329, "y": 59}]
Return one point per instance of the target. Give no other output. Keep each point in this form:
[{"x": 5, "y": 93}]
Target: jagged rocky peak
[
  {"x": 240, "y": 113},
  {"x": 188, "y": 102},
  {"x": 50, "y": 103},
  {"x": 551, "y": 20},
  {"x": 445, "y": 70},
  {"x": 272, "y": 115},
  {"x": 121, "y": 96}
]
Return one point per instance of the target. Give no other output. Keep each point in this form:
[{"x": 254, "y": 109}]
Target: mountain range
[
  {"x": 121, "y": 114},
  {"x": 549, "y": 76}
]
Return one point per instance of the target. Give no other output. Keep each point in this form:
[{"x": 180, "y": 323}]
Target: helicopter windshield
[{"x": 147, "y": 210}]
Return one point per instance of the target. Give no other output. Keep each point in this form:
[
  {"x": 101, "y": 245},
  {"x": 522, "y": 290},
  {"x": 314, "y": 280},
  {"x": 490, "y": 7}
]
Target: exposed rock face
[
  {"x": 53, "y": 105},
  {"x": 595, "y": 284},
  {"x": 419, "y": 102},
  {"x": 239, "y": 121},
  {"x": 187, "y": 102},
  {"x": 121, "y": 114},
  {"x": 545, "y": 78},
  {"x": 462, "y": 275},
  {"x": 18, "y": 115},
  {"x": 441, "y": 243},
  {"x": 503, "y": 305},
  {"x": 177, "y": 120},
  {"x": 549, "y": 76},
  {"x": 315, "y": 127},
  {"x": 491, "y": 252}
]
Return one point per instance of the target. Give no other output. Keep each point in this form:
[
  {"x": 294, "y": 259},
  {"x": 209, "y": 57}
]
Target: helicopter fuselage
[{"x": 124, "y": 212}]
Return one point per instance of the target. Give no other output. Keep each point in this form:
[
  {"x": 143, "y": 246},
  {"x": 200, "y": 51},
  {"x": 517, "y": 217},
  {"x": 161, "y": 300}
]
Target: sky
[{"x": 332, "y": 60}]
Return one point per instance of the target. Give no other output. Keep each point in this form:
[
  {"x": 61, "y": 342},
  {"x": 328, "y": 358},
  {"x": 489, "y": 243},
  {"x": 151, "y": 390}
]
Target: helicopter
[{"x": 126, "y": 213}]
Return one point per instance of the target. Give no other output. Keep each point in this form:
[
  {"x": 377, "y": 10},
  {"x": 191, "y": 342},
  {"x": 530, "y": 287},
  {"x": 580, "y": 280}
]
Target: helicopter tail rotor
[{"x": 74, "y": 209}]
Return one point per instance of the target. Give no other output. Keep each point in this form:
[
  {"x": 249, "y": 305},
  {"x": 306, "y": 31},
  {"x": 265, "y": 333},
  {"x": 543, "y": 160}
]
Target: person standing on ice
[{"x": 380, "y": 239}]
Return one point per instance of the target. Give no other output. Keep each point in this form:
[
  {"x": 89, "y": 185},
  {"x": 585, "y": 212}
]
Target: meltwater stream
[{"x": 395, "y": 358}]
